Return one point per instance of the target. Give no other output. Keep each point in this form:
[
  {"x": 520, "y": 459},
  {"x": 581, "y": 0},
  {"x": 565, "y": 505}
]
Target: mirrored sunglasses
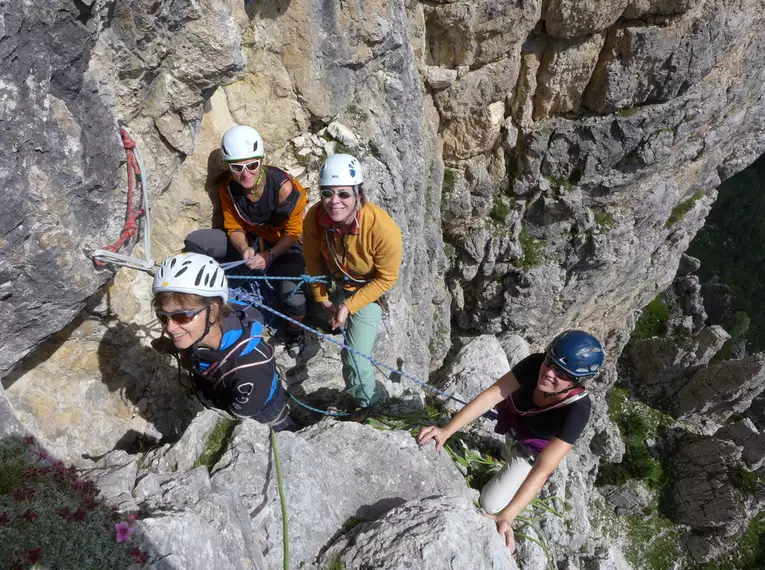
[
  {"x": 179, "y": 317},
  {"x": 251, "y": 166},
  {"x": 326, "y": 193},
  {"x": 557, "y": 370}
]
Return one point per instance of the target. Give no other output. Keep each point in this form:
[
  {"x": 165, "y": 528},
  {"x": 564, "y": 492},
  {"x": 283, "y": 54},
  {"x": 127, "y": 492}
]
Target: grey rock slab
[
  {"x": 439, "y": 77},
  {"x": 716, "y": 392},
  {"x": 332, "y": 471},
  {"x": 628, "y": 499},
  {"x": 190, "y": 523},
  {"x": 516, "y": 348},
  {"x": 745, "y": 434},
  {"x": 661, "y": 364},
  {"x": 10, "y": 425},
  {"x": 479, "y": 364},
  {"x": 703, "y": 494},
  {"x": 115, "y": 475},
  {"x": 181, "y": 455},
  {"x": 435, "y": 533}
]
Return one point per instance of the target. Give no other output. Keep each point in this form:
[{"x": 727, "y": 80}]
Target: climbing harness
[
  {"x": 283, "y": 502},
  {"x": 136, "y": 175}
]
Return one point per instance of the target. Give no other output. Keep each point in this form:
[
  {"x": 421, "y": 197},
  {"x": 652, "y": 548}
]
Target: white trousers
[{"x": 498, "y": 492}]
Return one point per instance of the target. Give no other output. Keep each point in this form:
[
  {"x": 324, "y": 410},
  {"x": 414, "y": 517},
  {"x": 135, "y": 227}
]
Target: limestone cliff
[{"x": 547, "y": 161}]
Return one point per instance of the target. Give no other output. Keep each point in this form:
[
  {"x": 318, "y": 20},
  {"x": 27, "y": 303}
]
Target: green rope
[{"x": 283, "y": 501}]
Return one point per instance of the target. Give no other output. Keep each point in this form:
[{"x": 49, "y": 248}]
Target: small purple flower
[{"x": 124, "y": 531}]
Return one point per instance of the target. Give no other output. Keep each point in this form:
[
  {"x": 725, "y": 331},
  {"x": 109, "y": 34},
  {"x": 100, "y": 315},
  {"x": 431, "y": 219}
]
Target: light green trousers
[{"x": 360, "y": 334}]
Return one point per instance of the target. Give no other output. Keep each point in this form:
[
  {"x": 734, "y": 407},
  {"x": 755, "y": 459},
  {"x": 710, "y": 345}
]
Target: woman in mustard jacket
[{"x": 359, "y": 245}]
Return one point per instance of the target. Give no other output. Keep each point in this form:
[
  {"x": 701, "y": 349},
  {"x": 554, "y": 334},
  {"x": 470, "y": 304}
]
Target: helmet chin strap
[{"x": 207, "y": 324}]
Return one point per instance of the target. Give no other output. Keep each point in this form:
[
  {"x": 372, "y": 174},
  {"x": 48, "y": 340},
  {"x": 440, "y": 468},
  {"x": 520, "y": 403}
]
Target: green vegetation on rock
[
  {"x": 654, "y": 543},
  {"x": 749, "y": 553},
  {"x": 50, "y": 518},
  {"x": 744, "y": 480},
  {"x": 336, "y": 564},
  {"x": 534, "y": 250},
  {"x": 637, "y": 423},
  {"x": 560, "y": 183},
  {"x": 604, "y": 219},
  {"x": 653, "y": 321},
  {"x": 216, "y": 443},
  {"x": 500, "y": 209},
  {"x": 679, "y": 211}
]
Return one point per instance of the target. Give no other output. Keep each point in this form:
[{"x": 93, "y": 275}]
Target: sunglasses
[
  {"x": 557, "y": 370},
  {"x": 342, "y": 194},
  {"x": 179, "y": 317},
  {"x": 251, "y": 166}
]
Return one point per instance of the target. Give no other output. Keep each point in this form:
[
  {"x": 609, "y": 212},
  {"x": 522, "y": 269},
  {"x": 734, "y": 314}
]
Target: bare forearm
[
  {"x": 285, "y": 242},
  {"x": 239, "y": 241},
  {"x": 484, "y": 402}
]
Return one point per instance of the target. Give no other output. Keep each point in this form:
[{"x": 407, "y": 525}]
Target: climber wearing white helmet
[
  {"x": 262, "y": 217},
  {"x": 232, "y": 366},
  {"x": 359, "y": 244}
]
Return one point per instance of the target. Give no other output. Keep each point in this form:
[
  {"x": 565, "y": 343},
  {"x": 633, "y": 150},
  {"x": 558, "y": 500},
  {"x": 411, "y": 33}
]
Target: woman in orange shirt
[{"x": 262, "y": 221}]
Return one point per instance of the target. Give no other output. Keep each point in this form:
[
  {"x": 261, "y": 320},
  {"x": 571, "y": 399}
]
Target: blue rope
[
  {"x": 243, "y": 296},
  {"x": 317, "y": 410},
  {"x": 301, "y": 278}
]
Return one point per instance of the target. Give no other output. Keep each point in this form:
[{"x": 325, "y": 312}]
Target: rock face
[
  {"x": 332, "y": 472},
  {"x": 716, "y": 392},
  {"x": 71, "y": 73},
  {"x": 479, "y": 364},
  {"x": 706, "y": 493},
  {"x": 561, "y": 244},
  {"x": 433, "y": 534}
]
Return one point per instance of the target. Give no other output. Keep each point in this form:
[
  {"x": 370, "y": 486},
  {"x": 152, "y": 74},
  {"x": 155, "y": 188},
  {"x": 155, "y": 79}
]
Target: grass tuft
[
  {"x": 679, "y": 211},
  {"x": 534, "y": 250},
  {"x": 216, "y": 443}
]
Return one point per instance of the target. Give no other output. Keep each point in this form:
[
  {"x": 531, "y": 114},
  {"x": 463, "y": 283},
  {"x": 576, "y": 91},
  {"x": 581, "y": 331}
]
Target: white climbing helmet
[
  {"x": 341, "y": 170},
  {"x": 191, "y": 273},
  {"x": 240, "y": 143}
]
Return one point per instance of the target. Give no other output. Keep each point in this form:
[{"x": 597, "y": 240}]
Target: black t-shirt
[
  {"x": 267, "y": 209},
  {"x": 566, "y": 423}
]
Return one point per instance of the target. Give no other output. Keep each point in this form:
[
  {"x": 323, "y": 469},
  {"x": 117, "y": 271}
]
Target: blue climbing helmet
[{"x": 578, "y": 353}]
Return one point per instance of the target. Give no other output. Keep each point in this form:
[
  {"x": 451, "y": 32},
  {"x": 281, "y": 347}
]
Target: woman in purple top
[{"x": 543, "y": 408}]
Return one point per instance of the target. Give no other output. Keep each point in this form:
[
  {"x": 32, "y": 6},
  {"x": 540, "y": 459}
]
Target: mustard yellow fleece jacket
[{"x": 370, "y": 251}]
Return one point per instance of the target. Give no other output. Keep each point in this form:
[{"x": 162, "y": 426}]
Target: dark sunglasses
[
  {"x": 343, "y": 194},
  {"x": 557, "y": 370},
  {"x": 179, "y": 317},
  {"x": 251, "y": 166}
]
